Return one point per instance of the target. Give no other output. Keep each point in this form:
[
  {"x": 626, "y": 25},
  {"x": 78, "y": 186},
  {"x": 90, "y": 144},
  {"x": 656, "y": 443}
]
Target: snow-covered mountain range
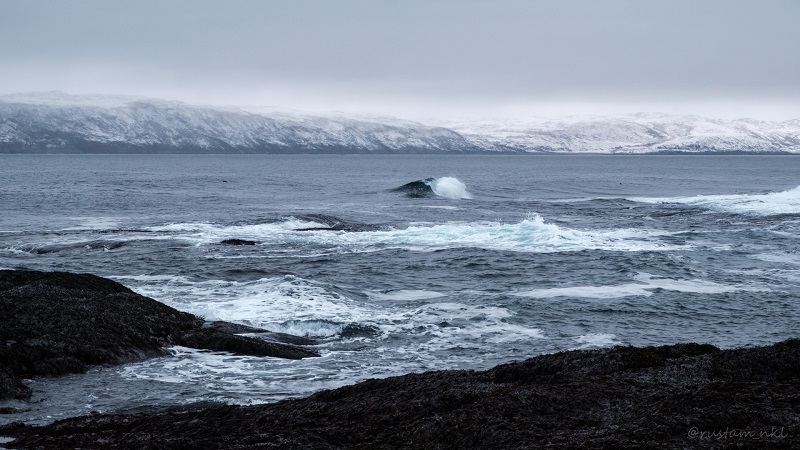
[
  {"x": 60, "y": 123},
  {"x": 55, "y": 122},
  {"x": 636, "y": 133}
]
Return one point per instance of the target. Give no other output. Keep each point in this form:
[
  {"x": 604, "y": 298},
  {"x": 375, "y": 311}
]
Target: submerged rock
[
  {"x": 332, "y": 223},
  {"x": 678, "y": 396},
  {"x": 238, "y": 242},
  {"x": 54, "y": 323}
]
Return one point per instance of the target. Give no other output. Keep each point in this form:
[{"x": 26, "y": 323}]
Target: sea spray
[{"x": 450, "y": 187}]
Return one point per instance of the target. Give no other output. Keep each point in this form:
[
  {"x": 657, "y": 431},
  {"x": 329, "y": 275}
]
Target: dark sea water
[{"x": 480, "y": 260}]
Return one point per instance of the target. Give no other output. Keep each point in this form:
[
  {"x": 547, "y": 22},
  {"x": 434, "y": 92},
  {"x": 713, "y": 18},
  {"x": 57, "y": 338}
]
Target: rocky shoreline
[
  {"x": 676, "y": 396},
  {"x": 55, "y": 323}
]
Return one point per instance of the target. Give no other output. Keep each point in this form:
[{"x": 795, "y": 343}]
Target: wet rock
[
  {"x": 679, "y": 396},
  {"x": 333, "y": 223},
  {"x": 10, "y": 384},
  {"x": 258, "y": 333},
  {"x": 238, "y": 242},
  {"x": 216, "y": 340},
  {"x": 333, "y": 228},
  {"x": 54, "y": 323}
]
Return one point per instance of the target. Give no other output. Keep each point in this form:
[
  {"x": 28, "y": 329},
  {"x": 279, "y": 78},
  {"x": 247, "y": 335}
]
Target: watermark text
[{"x": 730, "y": 434}]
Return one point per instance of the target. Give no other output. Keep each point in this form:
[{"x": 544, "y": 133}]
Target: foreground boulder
[
  {"x": 679, "y": 396},
  {"x": 54, "y": 323}
]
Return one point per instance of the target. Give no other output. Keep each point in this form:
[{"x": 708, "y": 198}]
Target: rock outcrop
[
  {"x": 678, "y": 396},
  {"x": 54, "y": 323},
  {"x": 238, "y": 242}
]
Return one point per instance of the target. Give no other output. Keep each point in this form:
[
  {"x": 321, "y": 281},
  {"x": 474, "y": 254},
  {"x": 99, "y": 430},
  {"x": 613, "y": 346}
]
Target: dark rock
[
  {"x": 58, "y": 323},
  {"x": 221, "y": 341},
  {"x": 124, "y": 230},
  {"x": 333, "y": 223},
  {"x": 238, "y": 242},
  {"x": 258, "y": 333},
  {"x": 10, "y": 384},
  {"x": 233, "y": 328},
  {"x": 334, "y": 228},
  {"x": 679, "y": 396}
]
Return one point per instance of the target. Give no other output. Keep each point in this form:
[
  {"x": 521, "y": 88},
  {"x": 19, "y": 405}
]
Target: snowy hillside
[
  {"x": 55, "y": 122},
  {"x": 638, "y": 133}
]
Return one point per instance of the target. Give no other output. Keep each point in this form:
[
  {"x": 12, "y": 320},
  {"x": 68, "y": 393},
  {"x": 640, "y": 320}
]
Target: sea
[{"x": 406, "y": 263}]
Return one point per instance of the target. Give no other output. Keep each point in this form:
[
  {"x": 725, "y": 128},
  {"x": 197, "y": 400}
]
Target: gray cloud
[{"x": 369, "y": 53}]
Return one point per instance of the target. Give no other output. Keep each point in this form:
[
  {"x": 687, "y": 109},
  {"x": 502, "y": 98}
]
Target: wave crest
[{"x": 448, "y": 187}]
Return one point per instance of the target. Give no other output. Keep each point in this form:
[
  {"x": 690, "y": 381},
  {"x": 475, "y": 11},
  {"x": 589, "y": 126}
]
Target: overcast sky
[{"x": 416, "y": 59}]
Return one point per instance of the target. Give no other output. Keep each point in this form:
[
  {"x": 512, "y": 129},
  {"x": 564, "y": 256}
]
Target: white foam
[
  {"x": 529, "y": 235},
  {"x": 596, "y": 340},
  {"x": 311, "y": 328},
  {"x": 205, "y": 232},
  {"x": 17, "y": 252},
  {"x": 404, "y": 295},
  {"x": 153, "y": 278},
  {"x": 450, "y": 187},
  {"x": 775, "y": 203},
  {"x": 447, "y": 207},
  {"x": 408, "y": 337},
  {"x": 297, "y": 306},
  {"x": 266, "y": 303},
  {"x": 247, "y": 380},
  {"x": 451, "y": 324},
  {"x": 645, "y": 286},
  {"x": 239, "y": 379},
  {"x": 781, "y": 257},
  {"x": 532, "y": 234},
  {"x": 625, "y": 290}
]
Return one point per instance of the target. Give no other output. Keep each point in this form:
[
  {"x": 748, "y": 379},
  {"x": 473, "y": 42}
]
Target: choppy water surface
[{"x": 407, "y": 263}]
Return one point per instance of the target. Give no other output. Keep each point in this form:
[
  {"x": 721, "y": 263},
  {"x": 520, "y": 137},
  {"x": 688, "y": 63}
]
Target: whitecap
[
  {"x": 596, "y": 340},
  {"x": 532, "y": 234},
  {"x": 779, "y": 257},
  {"x": 447, "y": 207},
  {"x": 404, "y": 295},
  {"x": 775, "y": 203},
  {"x": 645, "y": 286},
  {"x": 310, "y": 328}
]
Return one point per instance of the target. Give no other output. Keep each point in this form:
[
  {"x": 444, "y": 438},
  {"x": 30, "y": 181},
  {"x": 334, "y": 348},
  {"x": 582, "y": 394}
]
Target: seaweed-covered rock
[
  {"x": 679, "y": 396},
  {"x": 53, "y": 323}
]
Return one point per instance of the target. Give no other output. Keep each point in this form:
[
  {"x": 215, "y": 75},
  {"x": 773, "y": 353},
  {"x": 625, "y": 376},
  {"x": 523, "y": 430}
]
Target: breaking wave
[
  {"x": 448, "y": 187},
  {"x": 532, "y": 234},
  {"x": 770, "y": 204}
]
